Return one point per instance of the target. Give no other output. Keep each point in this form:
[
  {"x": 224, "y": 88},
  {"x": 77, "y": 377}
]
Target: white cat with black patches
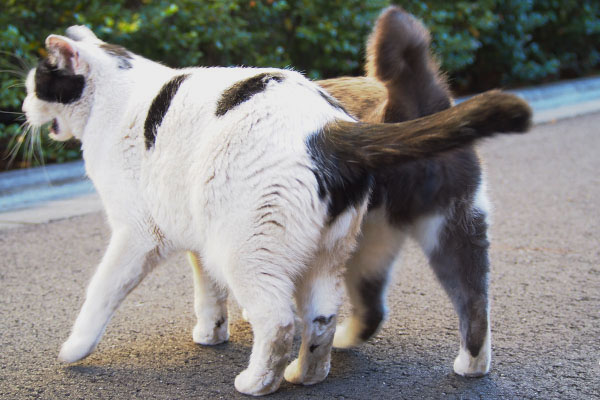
[{"x": 244, "y": 167}]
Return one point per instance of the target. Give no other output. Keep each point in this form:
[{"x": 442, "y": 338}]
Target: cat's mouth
[
  {"x": 57, "y": 134},
  {"x": 54, "y": 130}
]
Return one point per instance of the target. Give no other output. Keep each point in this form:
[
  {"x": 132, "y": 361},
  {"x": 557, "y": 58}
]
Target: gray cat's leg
[
  {"x": 367, "y": 277},
  {"x": 210, "y": 306},
  {"x": 459, "y": 257},
  {"x": 126, "y": 262}
]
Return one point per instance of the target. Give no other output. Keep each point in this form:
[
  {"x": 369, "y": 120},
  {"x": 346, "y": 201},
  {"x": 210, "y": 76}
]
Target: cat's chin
[{"x": 57, "y": 134}]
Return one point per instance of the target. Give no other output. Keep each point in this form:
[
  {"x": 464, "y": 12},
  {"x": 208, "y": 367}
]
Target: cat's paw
[
  {"x": 347, "y": 334},
  {"x": 211, "y": 334},
  {"x": 75, "y": 349},
  {"x": 254, "y": 384},
  {"x": 245, "y": 315},
  {"x": 294, "y": 374},
  {"x": 472, "y": 367}
]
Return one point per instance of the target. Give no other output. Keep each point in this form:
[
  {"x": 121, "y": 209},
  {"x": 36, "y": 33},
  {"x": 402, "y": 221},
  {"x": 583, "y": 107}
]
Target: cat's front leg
[
  {"x": 127, "y": 260},
  {"x": 210, "y": 305}
]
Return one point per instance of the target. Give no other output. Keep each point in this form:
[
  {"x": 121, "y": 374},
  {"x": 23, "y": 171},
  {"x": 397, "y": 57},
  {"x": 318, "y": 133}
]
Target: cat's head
[{"x": 61, "y": 88}]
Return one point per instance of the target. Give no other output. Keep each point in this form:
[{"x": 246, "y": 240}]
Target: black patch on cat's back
[
  {"x": 345, "y": 184},
  {"x": 332, "y": 101},
  {"x": 57, "y": 85},
  {"x": 242, "y": 91},
  {"x": 159, "y": 107},
  {"x": 121, "y": 53}
]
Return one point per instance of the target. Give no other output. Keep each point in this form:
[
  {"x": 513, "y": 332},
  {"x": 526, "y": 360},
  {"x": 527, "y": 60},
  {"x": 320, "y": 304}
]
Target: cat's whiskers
[
  {"x": 19, "y": 113},
  {"x": 22, "y": 69},
  {"x": 35, "y": 150},
  {"x": 15, "y": 142},
  {"x": 18, "y": 73},
  {"x": 29, "y": 141},
  {"x": 16, "y": 84}
]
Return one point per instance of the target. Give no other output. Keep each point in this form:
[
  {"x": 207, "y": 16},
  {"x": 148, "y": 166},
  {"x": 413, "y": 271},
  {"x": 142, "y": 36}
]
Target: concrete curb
[
  {"x": 39, "y": 195},
  {"x": 23, "y": 188}
]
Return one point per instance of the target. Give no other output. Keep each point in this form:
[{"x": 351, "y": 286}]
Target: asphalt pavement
[{"x": 545, "y": 291}]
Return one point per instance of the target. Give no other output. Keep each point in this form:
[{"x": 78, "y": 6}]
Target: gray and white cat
[
  {"x": 440, "y": 201},
  {"x": 260, "y": 173}
]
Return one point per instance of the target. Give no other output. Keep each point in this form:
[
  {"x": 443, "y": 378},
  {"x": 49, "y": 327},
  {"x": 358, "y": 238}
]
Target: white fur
[
  {"x": 210, "y": 305},
  {"x": 201, "y": 188},
  {"x": 469, "y": 366},
  {"x": 482, "y": 202},
  {"x": 427, "y": 231}
]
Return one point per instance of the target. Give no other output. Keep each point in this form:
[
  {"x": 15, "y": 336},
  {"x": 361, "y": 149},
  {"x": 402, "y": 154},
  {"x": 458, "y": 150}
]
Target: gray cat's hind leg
[
  {"x": 460, "y": 261},
  {"x": 367, "y": 277}
]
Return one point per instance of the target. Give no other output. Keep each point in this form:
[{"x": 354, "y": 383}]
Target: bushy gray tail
[
  {"x": 378, "y": 145},
  {"x": 398, "y": 55}
]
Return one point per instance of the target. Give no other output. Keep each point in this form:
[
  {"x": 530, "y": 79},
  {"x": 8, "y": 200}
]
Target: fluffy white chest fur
[{"x": 258, "y": 172}]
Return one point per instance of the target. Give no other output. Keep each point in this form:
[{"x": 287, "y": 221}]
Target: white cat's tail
[{"x": 379, "y": 145}]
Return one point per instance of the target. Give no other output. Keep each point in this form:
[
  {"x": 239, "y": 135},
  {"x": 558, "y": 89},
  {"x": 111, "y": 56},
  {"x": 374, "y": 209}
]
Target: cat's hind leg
[
  {"x": 210, "y": 306},
  {"x": 266, "y": 294},
  {"x": 459, "y": 258},
  {"x": 126, "y": 262},
  {"x": 367, "y": 277},
  {"x": 259, "y": 268},
  {"x": 318, "y": 297}
]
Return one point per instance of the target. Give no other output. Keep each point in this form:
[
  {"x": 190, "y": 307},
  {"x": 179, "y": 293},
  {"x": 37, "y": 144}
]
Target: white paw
[
  {"x": 245, "y": 315},
  {"x": 293, "y": 374},
  {"x": 210, "y": 334},
  {"x": 346, "y": 334},
  {"x": 468, "y": 366},
  {"x": 76, "y": 348},
  {"x": 256, "y": 384}
]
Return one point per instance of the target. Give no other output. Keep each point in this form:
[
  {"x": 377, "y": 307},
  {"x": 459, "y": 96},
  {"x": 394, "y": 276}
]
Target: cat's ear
[
  {"x": 63, "y": 53},
  {"x": 81, "y": 32}
]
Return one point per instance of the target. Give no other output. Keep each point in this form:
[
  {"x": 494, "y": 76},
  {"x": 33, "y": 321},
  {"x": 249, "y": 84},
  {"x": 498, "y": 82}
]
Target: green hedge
[
  {"x": 481, "y": 44},
  {"x": 491, "y": 43}
]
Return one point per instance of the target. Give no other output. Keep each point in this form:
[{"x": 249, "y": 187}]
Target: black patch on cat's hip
[
  {"x": 57, "y": 85},
  {"x": 121, "y": 53},
  {"x": 243, "y": 90},
  {"x": 345, "y": 184},
  {"x": 159, "y": 107}
]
